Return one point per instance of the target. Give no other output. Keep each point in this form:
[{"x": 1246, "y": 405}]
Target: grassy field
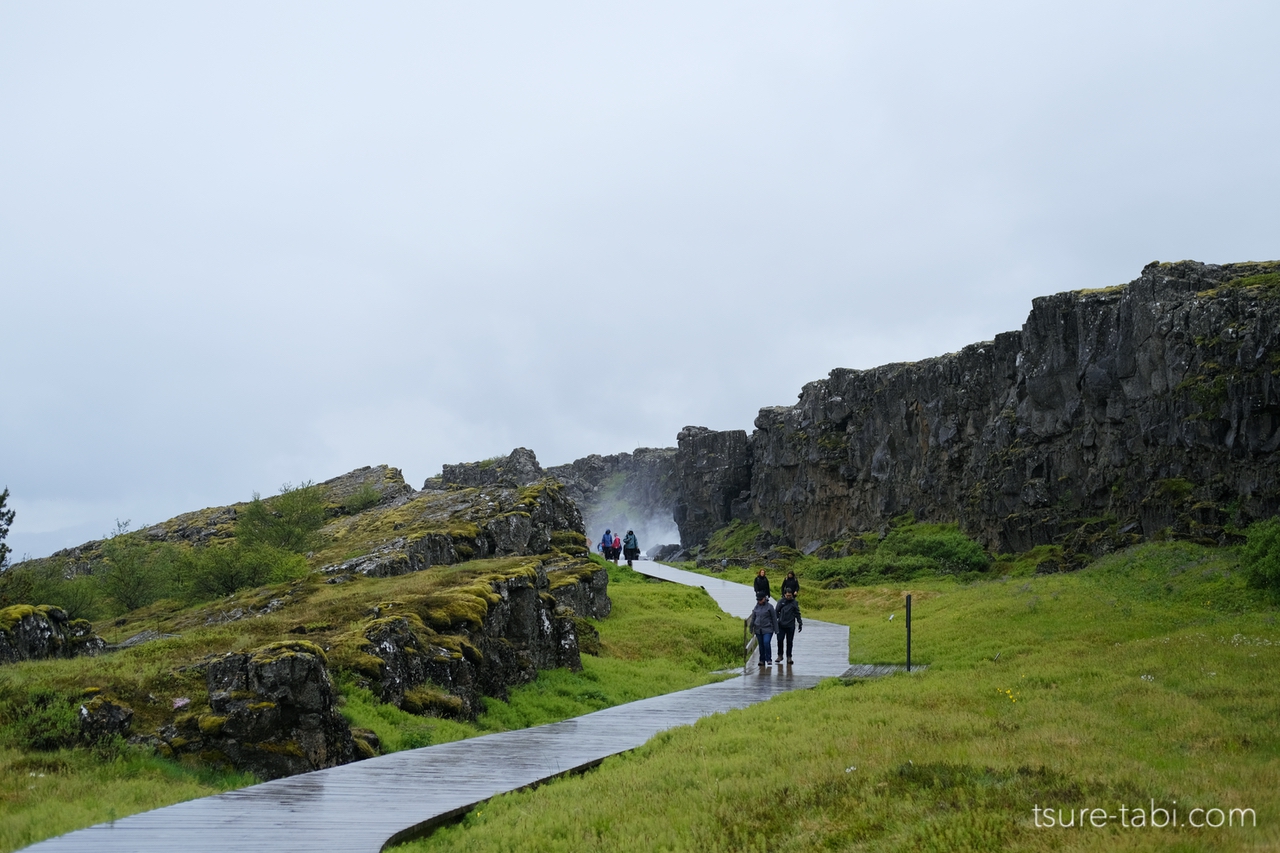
[
  {"x": 1143, "y": 687},
  {"x": 659, "y": 638}
]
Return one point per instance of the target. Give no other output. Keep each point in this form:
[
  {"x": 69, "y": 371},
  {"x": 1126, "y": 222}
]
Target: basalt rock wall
[
  {"x": 1113, "y": 415},
  {"x": 625, "y": 491}
]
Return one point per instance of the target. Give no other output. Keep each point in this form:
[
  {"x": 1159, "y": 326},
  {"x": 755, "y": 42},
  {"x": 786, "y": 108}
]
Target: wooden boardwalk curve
[{"x": 371, "y": 804}]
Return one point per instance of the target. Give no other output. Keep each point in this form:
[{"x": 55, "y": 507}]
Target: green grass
[
  {"x": 1148, "y": 676},
  {"x": 659, "y": 638},
  {"x": 49, "y": 793}
]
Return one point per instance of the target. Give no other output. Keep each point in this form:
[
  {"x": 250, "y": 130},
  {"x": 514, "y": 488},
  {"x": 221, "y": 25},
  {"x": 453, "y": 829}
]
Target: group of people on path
[
  {"x": 782, "y": 622},
  {"x": 766, "y": 621},
  {"x": 614, "y": 547}
]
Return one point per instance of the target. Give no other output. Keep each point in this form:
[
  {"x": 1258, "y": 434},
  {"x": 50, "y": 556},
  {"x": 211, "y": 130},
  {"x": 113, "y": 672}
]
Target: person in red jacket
[{"x": 617, "y": 547}]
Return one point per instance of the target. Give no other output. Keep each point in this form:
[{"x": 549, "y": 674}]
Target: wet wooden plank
[{"x": 360, "y": 806}]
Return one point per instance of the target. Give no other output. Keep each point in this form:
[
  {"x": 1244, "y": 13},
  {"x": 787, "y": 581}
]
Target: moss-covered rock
[
  {"x": 42, "y": 631},
  {"x": 272, "y": 712}
]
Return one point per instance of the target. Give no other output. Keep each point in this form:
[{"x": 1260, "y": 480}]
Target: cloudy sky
[{"x": 256, "y": 243}]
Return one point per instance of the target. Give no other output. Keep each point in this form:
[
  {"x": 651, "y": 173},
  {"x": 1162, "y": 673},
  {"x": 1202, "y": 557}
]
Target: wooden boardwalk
[{"x": 371, "y": 804}]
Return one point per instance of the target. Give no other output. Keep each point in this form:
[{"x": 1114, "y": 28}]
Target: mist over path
[{"x": 364, "y": 805}]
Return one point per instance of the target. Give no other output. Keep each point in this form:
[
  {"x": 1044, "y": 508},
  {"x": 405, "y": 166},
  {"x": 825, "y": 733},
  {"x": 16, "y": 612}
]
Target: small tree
[
  {"x": 287, "y": 521},
  {"x": 1260, "y": 556},
  {"x": 129, "y": 574},
  {"x": 6, "y": 520}
]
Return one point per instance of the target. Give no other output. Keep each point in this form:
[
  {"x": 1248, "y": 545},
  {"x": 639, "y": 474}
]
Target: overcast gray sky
[{"x": 249, "y": 243}]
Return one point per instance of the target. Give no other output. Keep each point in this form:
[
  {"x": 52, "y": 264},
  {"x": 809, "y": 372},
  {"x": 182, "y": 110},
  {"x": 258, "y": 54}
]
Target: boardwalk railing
[{"x": 749, "y": 643}]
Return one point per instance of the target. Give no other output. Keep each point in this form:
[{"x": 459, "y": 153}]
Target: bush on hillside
[
  {"x": 214, "y": 571},
  {"x": 1260, "y": 555},
  {"x": 134, "y": 573},
  {"x": 908, "y": 550},
  {"x": 287, "y": 521},
  {"x": 945, "y": 544}
]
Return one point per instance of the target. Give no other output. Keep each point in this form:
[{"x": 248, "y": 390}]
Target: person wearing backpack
[{"x": 631, "y": 547}]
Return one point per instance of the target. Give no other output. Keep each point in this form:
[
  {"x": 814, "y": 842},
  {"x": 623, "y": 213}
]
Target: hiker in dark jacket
[
  {"x": 606, "y": 545},
  {"x": 764, "y": 621},
  {"x": 789, "y": 622},
  {"x": 762, "y": 584},
  {"x": 790, "y": 584},
  {"x": 631, "y": 547}
]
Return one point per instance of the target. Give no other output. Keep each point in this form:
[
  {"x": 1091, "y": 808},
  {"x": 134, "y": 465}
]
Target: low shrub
[
  {"x": 287, "y": 521},
  {"x": 43, "y": 719},
  {"x": 213, "y": 571},
  {"x": 1260, "y": 555}
]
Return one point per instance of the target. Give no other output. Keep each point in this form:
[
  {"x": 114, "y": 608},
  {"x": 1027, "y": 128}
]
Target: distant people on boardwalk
[
  {"x": 617, "y": 547},
  {"x": 789, "y": 622},
  {"x": 764, "y": 622},
  {"x": 606, "y": 546},
  {"x": 790, "y": 584},
  {"x": 631, "y": 547},
  {"x": 762, "y": 584}
]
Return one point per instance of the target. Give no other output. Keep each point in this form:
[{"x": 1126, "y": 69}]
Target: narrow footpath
[{"x": 371, "y": 804}]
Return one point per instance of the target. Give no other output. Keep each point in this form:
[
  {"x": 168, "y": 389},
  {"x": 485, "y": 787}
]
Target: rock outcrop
[
  {"x": 518, "y": 468},
  {"x": 102, "y": 719},
  {"x": 625, "y": 491},
  {"x": 43, "y": 631},
  {"x": 713, "y": 470},
  {"x": 1139, "y": 410},
  {"x": 272, "y": 712},
  {"x": 443, "y": 527},
  {"x": 429, "y": 661}
]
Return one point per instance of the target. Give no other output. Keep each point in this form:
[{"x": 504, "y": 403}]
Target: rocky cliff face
[
  {"x": 713, "y": 476},
  {"x": 625, "y": 491},
  {"x": 1114, "y": 414}
]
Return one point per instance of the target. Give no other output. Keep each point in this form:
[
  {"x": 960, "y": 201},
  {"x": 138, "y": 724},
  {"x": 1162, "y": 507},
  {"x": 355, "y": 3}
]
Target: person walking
[
  {"x": 762, "y": 584},
  {"x": 631, "y": 547},
  {"x": 606, "y": 545},
  {"x": 764, "y": 621},
  {"x": 790, "y": 584},
  {"x": 789, "y": 622},
  {"x": 617, "y": 548}
]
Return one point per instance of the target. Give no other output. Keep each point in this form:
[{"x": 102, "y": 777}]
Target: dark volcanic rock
[
  {"x": 713, "y": 470},
  {"x": 102, "y": 719},
  {"x": 494, "y": 521},
  {"x": 43, "y": 631},
  {"x": 382, "y": 484},
  {"x": 664, "y": 552},
  {"x": 518, "y": 468},
  {"x": 625, "y": 491},
  {"x": 530, "y": 624},
  {"x": 272, "y": 712},
  {"x": 1113, "y": 415}
]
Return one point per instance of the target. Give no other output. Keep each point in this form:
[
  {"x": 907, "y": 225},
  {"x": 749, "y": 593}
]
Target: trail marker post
[{"x": 908, "y": 632}]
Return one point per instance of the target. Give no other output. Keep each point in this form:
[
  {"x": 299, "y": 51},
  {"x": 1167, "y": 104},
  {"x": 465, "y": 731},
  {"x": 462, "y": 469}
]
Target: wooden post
[{"x": 908, "y": 632}]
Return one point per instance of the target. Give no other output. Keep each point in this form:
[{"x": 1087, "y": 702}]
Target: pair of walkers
[
  {"x": 789, "y": 584},
  {"x": 613, "y": 547},
  {"x": 782, "y": 622}
]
